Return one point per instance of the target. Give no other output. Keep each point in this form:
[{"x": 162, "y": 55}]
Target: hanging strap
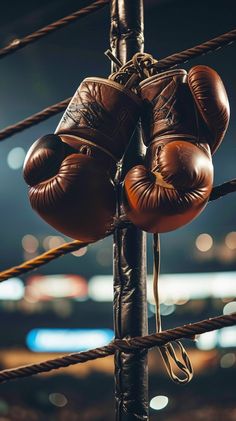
[
  {"x": 140, "y": 67},
  {"x": 167, "y": 351}
]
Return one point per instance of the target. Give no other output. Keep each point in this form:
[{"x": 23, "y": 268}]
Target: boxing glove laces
[
  {"x": 71, "y": 172},
  {"x": 184, "y": 119}
]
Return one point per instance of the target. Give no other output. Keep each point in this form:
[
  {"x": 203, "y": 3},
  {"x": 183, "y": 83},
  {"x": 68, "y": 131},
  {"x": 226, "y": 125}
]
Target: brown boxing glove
[
  {"x": 185, "y": 117},
  {"x": 71, "y": 172}
]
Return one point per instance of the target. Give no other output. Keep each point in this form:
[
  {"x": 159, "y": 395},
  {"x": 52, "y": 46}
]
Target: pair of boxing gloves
[{"x": 71, "y": 173}]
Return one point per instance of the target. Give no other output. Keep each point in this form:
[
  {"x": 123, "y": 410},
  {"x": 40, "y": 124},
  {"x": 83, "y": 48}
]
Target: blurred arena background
[{"x": 66, "y": 305}]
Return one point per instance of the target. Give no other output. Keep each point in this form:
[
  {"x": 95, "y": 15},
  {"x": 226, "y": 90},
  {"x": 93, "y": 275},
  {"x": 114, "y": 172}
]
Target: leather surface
[
  {"x": 178, "y": 195},
  {"x": 71, "y": 172},
  {"x": 44, "y": 159},
  {"x": 130, "y": 319},
  {"x": 212, "y": 102},
  {"x": 102, "y": 111},
  {"x": 174, "y": 185},
  {"x": 68, "y": 195}
]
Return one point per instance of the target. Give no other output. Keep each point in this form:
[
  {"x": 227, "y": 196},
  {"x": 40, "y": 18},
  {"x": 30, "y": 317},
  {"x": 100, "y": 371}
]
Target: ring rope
[
  {"x": 34, "y": 119},
  {"x": 14, "y": 46},
  {"x": 125, "y": 345},
  {"x": 42, "y": 259},
  {"x": 223, "y": 190},
  {"x": 168, "y": 62},
  {"x": 197, "y": 51}
]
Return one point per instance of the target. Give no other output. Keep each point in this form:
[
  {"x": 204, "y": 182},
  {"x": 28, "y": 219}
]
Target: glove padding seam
[{"x": 91, "y": 144}]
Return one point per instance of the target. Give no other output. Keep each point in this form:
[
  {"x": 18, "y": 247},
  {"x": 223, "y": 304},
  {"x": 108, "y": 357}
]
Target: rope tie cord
[
  {"x": 29, "y": 39},
  {"x": 125, "y": 345}
]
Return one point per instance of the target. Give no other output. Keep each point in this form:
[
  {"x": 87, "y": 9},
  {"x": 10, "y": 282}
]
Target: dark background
[{"x": 50, "y": 70}]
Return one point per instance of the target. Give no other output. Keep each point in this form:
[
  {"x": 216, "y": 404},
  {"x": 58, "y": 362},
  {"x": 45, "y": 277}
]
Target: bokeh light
[
  {"x": 230, "y": 240},
  {"x": 58, "y": 399},
  {"x": 104, "y": 256},
  {"x": 166, "y": 310},
  {"x": 81, "y": 252},
  {"x": 204, "y": 242},
  {"x": 15, "y": 158},
  {"x": 159, "y": 402},
  {"x": 53, "y": 241},
  {"x": 30, "y": 243},
  {"x": 227, "y": 360},
  {"x": 230, "y": 308}
]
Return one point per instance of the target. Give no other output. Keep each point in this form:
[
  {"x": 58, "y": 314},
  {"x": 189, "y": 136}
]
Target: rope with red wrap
[
  {"x": 40, "y": 33},
  {"x": 125, "y": 345}
]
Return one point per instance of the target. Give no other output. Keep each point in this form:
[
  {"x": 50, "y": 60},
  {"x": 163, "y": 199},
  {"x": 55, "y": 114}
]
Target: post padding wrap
[
  {"x": 130, "y": 301},
  {"x": 71, "y": 172},
  {"x": 184, "y": 119}
]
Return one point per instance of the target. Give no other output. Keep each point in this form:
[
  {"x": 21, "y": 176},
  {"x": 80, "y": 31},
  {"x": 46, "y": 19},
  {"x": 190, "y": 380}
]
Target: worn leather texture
[
  {"x": 193, "y": 104},
  {"x": 171, "y": 189},
  {"x": 212, "y": 102},
  {"x": 71, "y": 172},
  {"x": 174, "y": 185},
  {"x": 104, "y": 112}
]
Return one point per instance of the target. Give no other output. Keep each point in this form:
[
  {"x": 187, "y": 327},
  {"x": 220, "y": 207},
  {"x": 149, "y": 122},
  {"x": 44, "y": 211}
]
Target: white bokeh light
[
  {"x": 13, "y": 289},
  {"x": 230, "y": 308},
  {"x": 207, "y": 341},
  {"x": 159, "y": 402},
  {"x": 15, "y": 158}
]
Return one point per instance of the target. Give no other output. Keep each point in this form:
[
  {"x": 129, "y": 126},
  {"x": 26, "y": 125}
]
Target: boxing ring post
[{"x": 130, "y": 303}]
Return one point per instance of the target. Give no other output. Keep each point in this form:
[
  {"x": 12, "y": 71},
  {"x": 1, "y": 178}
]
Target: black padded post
[{"x": 130, "y": 302}]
